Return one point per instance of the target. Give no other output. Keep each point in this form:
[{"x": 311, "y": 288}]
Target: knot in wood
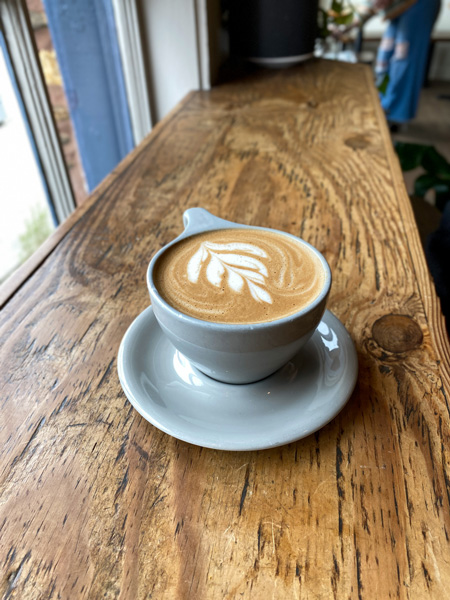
[
  {"x": 357, "y": 142},
  {"x": 397, "y": 333}
]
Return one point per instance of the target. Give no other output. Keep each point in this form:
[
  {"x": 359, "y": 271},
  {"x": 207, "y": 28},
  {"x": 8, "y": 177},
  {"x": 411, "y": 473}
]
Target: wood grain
[{"x": 95, "y": 502}]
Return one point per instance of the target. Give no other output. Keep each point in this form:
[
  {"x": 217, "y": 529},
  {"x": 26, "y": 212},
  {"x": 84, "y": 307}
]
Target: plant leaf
[
  {"x": 435, "y": 164},
  {"x": 337, "y": 6},
  {"x": 424, "y": 183},
  {"x": 410, "y": 155},
  {"x": 345, "y": 18},
  {"x": 382, "y": 86}
]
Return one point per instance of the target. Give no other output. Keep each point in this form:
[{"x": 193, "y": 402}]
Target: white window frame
[
  {"x": 129, "y": 22},
  {"x": 30, "y": 80},
  {"x": 126, "y": 13}
]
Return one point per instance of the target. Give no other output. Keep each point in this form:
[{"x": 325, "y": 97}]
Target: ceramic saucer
[{"x": 292, "y": 403}]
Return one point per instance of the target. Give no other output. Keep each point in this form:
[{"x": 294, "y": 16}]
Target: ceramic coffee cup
[{"x": 235, "y": 353}]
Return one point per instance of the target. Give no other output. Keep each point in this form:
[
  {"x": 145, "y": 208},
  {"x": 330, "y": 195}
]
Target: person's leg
[
  {"x": 408, "y": 63},
  {"x": 385, "y": 52}
]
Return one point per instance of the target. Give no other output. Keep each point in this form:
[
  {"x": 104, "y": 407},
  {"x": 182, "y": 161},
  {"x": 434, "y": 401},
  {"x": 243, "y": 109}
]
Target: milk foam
[
  {"x": 237, "y": 268},
  {"x": 239, "y": 276}
]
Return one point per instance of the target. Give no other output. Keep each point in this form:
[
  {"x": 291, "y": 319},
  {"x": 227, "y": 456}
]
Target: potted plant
[{"x": 436, "y": 175}]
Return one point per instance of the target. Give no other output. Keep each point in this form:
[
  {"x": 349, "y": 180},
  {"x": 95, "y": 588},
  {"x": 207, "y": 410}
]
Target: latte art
[
  {"x": 239, "y": 276},
  {"x": 228, "y": 260}
]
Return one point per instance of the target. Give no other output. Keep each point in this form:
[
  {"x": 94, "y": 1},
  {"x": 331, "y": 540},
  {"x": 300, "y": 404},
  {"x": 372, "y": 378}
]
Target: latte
[{"x": 239, "y": 276}]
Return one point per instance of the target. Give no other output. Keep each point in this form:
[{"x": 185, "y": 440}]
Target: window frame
[
  {"x": 129, "y": 34},
  {"x": 19, "y": 39}
]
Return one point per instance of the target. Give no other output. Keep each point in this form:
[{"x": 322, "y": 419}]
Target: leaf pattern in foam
[
  {"x": 215, "y": 271},
  {"x": 259, "y": 294},
  {"x": 250, "y": 248},
  {"x": 235, "y": 281},
  {"x": 195, "y": 264},
  {"x": 239, "y": 267},
  {"x": 252, "y": 275},
  {"x": 238, "y": 260}
]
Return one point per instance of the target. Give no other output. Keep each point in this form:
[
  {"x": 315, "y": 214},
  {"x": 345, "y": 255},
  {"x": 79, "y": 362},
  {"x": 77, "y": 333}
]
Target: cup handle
[{"x": 199, "y": 219}]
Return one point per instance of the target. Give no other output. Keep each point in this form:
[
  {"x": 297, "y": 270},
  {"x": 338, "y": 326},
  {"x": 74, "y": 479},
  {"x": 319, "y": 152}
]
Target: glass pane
[{"x": 26, "y": 219}]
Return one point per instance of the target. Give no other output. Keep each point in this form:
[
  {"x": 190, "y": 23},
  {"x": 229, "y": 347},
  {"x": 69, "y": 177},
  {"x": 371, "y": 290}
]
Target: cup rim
[{"x": 177, "y": 314}]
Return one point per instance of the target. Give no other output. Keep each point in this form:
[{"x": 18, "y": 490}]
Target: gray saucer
[{"x": 292, "y": 403}]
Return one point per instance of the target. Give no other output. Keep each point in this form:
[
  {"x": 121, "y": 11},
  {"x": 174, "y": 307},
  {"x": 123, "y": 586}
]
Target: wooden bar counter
[{"x": 97, "y": 503}]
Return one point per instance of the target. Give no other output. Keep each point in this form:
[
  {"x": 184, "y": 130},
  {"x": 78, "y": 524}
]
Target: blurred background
[{"x": 82, "y": 83}]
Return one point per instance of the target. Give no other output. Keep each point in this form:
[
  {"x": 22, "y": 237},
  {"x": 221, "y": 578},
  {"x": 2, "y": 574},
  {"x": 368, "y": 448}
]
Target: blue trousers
[{"x": 403, "y": 55}]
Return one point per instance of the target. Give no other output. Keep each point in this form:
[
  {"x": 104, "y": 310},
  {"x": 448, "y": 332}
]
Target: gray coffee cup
[{"x": 235, "y": 353}]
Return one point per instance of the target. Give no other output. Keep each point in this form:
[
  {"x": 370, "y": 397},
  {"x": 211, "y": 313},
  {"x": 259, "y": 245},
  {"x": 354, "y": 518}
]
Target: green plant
[
  {"x": 436, "y": 167},
  {"x": 37, "y": 230},
  {"x": 339, "y": 14},
  {"x": 382, "y": 85}
]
